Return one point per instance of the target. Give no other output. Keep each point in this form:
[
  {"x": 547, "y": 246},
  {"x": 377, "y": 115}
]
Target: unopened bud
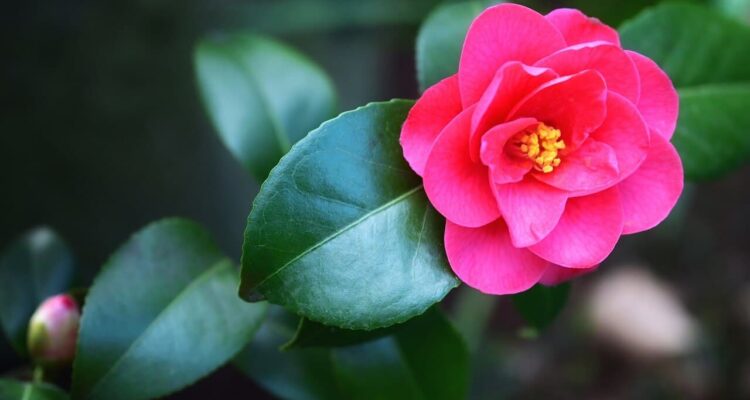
[{"x": 53, "y": 330}]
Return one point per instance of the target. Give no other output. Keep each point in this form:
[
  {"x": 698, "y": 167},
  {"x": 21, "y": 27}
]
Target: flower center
[{"x": 541, "y": 145}]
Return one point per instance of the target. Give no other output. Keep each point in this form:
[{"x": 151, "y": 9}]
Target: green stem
[{"x": 38, "y": 374}]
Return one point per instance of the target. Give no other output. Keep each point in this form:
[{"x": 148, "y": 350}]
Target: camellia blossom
[
  {"x": 53, "y": 331},
  {"x": 549, "y": 143}
]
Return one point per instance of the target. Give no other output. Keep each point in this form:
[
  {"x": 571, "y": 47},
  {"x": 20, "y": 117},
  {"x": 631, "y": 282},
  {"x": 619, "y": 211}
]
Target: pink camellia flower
[
  {"x": 549, "y": 143},
  {"x": 53, "y": 331}
]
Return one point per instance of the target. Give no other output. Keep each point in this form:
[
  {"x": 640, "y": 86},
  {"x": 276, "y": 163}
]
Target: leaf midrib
[
  {"x": 217, "y": 266},
  {"x": 341, "y": 231}
]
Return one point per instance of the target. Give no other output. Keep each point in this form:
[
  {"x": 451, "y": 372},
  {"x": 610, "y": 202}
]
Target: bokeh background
[{"x": 103, "y": 131}]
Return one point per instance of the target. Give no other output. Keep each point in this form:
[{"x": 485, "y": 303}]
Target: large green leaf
[
  {"x": 36, "y": 266},
  {"x": 707, "y": 56},
  {"x": 16, "y": 390},
  {"x": 342, "y": 232},
  {"x": 162, "y": 313},
  {"x": 440, "y": 40},
  {"x": 261, "y": 95},
  {"x": 540, "y": 305},
  {"x": 425, "y": 359}
]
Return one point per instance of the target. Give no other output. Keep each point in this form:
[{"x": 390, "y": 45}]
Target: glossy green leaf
[
  {"x": 541, "y": 304},
  {"x": 707, "y": 56},
  {"x": 425, "y": 359},
  {"x": 262, "y": 96},
  {"x": 36, "y": 266},
  {"x": 17, "y": 390},
  {"x": 162, "y": 313},
  {"x": 342, "y": 232},
  {"x": 440, "y": 40},
  {"x": 314, "y": 334}
]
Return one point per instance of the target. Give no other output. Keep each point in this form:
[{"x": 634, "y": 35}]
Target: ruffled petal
[
  {"x": 458, "y": 187},
  {"x": 576, "y": 27},
  {"x": 506, "y": 32},
  {"x": 574, "y": 104},
  {"x": 615, "y": 66},
  {"x": 587, "y": 232},
  {"x": 531, "y": 209},
  {"x": 650, "y": 193},
  {"x": 555, "y": 275},
  {"x": 590, "y": 168},
  {"x": 505, "y": 168},
  {"x": 659, "y": 102},
  {"x": 625, "y": 132},
  {"x": 512, "y": 83},
  {"x": 432, "y": 112},
  {"x": 485, "y": 259}
]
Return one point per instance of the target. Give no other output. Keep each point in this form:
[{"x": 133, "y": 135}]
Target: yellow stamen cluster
[{"x": 541, "y": 145}]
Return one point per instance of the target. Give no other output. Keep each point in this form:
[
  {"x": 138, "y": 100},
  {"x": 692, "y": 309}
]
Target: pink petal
[
  {"x": 617, "y": 69},
  {"x": 590, "y": 168},
  {"x": 576, "y": 27},
  {"x": 575, "y": 104},
  {"x": 659, "y": 102},
  {"x": 555, "y": 275},
  {"x": 512, "y": 83},
  {"x": 506, "y": 32},
  {"x": 650, "y": 193},
  {"x": 624, "y": 131},
  {"x": 505, "y": 168},
  {"x": 485, "y": 259},
  {"x": 531, "y": 209},
  {"x": 433, "y": 111},
  {"x": 587, "y": 232},
  {"x": 458, "y": 187}
]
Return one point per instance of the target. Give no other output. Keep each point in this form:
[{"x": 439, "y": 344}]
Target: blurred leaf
[
  {"x": 161, "y": 314},
  {"x": 313, "y": 334},
  {"x": 298, "y": 374},
  {"x": 342, "y": 233},
  {"x": 36, "y": 266},
  {"x": 17, "y": 390},
  {"x": 262, "y": 96},
  {"x": 541, "y": 304},
  {"x": 440, "y": 40},
  {"x": 707, "y": 56},
  {"x": 426, "y": 359},
  {"x": 472, "y": 311}
]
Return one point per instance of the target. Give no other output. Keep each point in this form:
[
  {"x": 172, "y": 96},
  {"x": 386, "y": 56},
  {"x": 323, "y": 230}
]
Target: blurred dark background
[{"x": 102, "y": 131}]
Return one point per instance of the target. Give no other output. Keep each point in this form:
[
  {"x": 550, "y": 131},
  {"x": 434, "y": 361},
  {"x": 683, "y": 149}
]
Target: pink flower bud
[{"x": 53, "y": 330}]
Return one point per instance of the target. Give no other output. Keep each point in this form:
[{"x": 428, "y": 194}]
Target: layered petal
[
  {"x": 512, "y": 83},
  {"x": 625, "y": 132},
  {"x": 505, "y": 168},
  {"x": 555, "y": 275},
  {"x": 576, "y": 27},
  {"x": 432, "y": 112},
  {"x": 650, "y": 193},
  {"x": 531, "y": 209},
  {"x": 615, "y": 66},
  {"x": 587, "y": 232},
  {"x": 574, "y": 104},
  {"x": 485, "y": 259},
  {"x": 458, "y": 187},
  {"x": 590, "y": 168},
  {"x": 659, "y": 102},
  {"x": 506, "y": 32}
]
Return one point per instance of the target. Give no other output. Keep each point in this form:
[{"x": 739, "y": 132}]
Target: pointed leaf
[
  {"x": 262, "y": 96},
  {"x": 342, "y": 233},
  {"x": 36, "y": 266},
  {"x": 162, "y": 313},
  {"x": 541, "y": 304}
]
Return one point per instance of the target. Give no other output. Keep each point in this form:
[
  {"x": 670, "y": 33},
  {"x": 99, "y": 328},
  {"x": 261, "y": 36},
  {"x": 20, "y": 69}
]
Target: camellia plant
[{"x": 536, "y": 143}]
